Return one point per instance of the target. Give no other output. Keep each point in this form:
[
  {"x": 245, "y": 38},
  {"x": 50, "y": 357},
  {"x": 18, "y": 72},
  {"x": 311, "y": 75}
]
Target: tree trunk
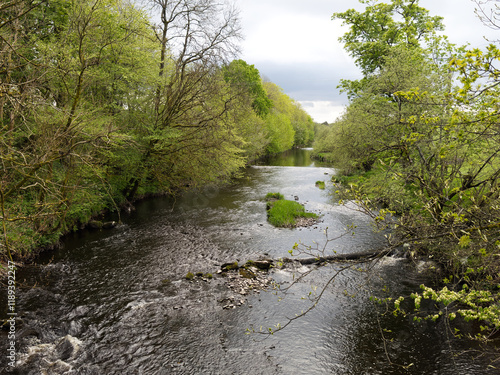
[{"x": 362, "y": 255}]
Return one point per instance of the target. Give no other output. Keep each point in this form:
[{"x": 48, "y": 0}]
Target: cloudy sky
[{"x": 294, "y": 43}]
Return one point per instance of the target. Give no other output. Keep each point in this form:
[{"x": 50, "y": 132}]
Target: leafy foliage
[
  {"x": 247, "y": 78},
  {"x": 380, "y": 28},
  {"x": 287, "y": 124}
]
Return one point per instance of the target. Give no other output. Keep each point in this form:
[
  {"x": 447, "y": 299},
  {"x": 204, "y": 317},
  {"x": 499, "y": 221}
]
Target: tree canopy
[
  {"x": 381, "y": 27},
  {"x": 247, "y": 78}
]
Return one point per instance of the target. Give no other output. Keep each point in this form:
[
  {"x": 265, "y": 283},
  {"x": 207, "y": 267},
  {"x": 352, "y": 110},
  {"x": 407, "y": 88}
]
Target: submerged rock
[
  {"x": 68, "y": 347},
  {"x": 264, "y": 264},
  {"x": 95, "y": 224},
  {"x": 109, "y": 224}
]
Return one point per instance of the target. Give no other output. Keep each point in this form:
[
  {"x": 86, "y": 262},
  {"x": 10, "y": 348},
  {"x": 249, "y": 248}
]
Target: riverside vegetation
[
  {"x": 101, "y": 104},
  {"x": 282, "y": 212},
  {"x": 435, "y": 159}
]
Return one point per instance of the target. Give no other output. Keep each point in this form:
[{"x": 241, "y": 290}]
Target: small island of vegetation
[{"x": 286, "y": 213}]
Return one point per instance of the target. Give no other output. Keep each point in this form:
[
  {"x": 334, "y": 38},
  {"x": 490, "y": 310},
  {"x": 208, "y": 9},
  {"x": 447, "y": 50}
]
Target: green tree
[
  {"x": 247, "y": 78},
  {"x": 279, "y": 124},
  {"x": 381, "y": 110},
  {"x": 288, "y": 124},
  {"x": 303, "y": 126},
  {"x": 57, "y": 127},
  {"x": 247, "y": 89},
  {"x": 190, "y": 116},
  {"x": 280, "y": 133},
  {"x": 374, "y": 32},
  {"x": 98, "y": 106}
]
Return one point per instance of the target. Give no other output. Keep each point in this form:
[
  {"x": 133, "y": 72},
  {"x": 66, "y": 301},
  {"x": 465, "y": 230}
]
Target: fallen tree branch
[{"x": 363, "y": 255}]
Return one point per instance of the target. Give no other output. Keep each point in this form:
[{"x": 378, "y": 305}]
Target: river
[{"x": 117, "y": 301}]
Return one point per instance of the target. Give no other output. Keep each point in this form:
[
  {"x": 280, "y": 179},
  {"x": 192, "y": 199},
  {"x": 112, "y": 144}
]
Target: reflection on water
[
  {"x": 123, "y": 293},
  {"x": 291, "y": 158}
]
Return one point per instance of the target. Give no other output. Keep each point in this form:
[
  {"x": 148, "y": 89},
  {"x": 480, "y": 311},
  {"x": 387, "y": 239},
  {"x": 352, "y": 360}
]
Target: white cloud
[
  {"x": 322, "y": 111},
  {"x": 461, "y": 22},
  {"x": 293, "y": 38}
]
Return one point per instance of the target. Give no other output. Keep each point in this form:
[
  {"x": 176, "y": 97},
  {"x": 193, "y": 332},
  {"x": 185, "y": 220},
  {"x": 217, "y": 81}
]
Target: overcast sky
[{"x": 294, "y": 43}]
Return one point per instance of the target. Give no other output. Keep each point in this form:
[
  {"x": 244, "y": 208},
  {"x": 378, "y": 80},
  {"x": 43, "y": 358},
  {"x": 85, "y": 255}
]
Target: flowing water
[{"x": 117, "y": 301}]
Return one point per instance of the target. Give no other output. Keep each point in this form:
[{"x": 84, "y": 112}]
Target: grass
[
  {"x": 284, "y": 213},
  {"x": 274, "y": 196},
  {"x": 320, "y": 184}
]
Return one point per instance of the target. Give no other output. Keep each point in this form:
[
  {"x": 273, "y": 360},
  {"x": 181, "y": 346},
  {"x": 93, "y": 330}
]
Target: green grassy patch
[
  {"x": 320, "y": 184},
  {"x": 274, "y": 196},
  {"x": 286, "y": 213}
]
